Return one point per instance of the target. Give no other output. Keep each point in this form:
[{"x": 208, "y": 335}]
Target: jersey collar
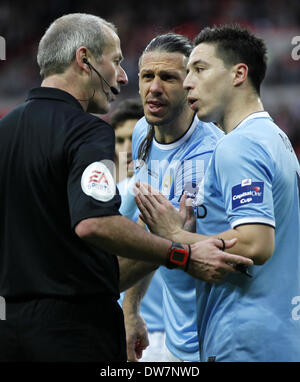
[
  {"x": 256, "y": 115},
  {"x": 53, "y": 94},
  {"x": 185, "y": 137}
]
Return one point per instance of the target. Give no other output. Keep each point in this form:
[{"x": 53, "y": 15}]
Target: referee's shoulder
[
  {"x": 91, "y": 121},
  {"x": 97, "y": 121}
]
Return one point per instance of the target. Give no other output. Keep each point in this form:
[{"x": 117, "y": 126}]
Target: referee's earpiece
[
  {"x": 112, "y": 89},
  {"x": 85, "y": 60}
]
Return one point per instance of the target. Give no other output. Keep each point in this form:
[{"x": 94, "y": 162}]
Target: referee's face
[
  {"x": 161, "y": 76},
  {"x": 111, "y": 70},
  {"x": 209, "y": 83}
]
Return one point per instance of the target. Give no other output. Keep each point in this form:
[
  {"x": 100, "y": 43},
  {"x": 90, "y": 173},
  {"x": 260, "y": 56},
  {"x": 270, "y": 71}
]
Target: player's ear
[{"x": 240, "y": 74}]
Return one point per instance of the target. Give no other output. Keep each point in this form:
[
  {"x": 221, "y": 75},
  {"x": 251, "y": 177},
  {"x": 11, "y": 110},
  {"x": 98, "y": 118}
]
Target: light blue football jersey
[
  {"x": 174, "y": 168},
  {"x": 253, "y": 178}
]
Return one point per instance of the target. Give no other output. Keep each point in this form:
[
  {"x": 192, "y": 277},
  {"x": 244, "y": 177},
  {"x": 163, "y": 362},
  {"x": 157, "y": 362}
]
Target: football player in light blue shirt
[
  {"x": 176, "y": 168},
  {"x": 123, "y": 120},
  {"x": 177, "y": 155},
  {"x": 250, "y": 191}
]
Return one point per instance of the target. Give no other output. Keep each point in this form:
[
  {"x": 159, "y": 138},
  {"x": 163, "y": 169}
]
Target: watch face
[{"x": 178, "y": 256}]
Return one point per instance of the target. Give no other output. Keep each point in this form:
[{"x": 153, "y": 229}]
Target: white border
[
  {"x": 253, "y": 220},
  {"x": 173, "y": 145}
]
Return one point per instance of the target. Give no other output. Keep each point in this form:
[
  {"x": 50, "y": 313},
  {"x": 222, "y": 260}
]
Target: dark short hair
[
  {"x": 170, "y": 43},
  {"x": 130, "y": 108},
  {"x": 235, "y": 44}
]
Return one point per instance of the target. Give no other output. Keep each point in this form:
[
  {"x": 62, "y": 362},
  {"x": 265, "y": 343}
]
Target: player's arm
[
  {"x": 119, "y": 235},
  {"x": 131, "y": 271},
  {"x": 136, "y": 330},
  {"x": 255, "y": 241}
]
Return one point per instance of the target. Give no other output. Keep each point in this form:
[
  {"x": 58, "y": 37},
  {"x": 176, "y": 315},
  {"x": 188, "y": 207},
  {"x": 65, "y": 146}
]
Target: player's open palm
[{"x": 157, "y": 212}]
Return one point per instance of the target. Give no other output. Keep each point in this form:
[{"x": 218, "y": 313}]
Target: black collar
[{"x": 53, "y": 93}]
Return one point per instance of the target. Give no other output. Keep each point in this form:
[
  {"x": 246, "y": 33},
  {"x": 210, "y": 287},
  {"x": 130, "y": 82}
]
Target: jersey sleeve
[
  {"x": 244, "y": 171},
  {"x": 128, "y": 206},
  {"x": 91, "y": 187}
]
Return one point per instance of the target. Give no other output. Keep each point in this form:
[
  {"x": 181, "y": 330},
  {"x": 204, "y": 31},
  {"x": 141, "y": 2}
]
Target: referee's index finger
[{"x": 236, "y": 259}]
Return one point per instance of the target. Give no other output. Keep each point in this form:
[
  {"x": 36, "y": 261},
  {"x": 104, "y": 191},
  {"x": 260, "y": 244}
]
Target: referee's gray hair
[{"x": 65, "y": 35}]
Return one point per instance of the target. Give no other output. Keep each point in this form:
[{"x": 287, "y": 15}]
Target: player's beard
[{"x": 169, "y": 118}]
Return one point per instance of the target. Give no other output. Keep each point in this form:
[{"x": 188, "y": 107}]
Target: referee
[{"x": 59, "y": 222}]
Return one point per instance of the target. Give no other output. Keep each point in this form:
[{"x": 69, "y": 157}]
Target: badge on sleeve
[
  {"x": 247, "y": 192},
  {"x": 97, "y": 182}
]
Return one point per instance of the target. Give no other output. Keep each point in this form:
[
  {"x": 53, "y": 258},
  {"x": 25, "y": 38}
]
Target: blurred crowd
[{"x": 23, "y": 23}]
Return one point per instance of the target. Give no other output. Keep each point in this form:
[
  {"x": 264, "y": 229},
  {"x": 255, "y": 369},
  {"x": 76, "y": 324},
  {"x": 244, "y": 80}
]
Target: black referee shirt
[{"x": 45, "y": 146}]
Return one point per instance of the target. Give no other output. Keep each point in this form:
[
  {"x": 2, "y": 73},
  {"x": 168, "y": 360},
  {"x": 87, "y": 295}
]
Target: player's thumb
[
  {"x": 182, "y": 205},
  {"x": 185, "y": 204}
]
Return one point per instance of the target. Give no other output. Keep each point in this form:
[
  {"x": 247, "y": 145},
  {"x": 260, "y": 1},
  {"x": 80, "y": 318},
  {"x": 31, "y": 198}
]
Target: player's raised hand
[
  {"x": 187, "y": 213},
  {"x": 157, "y": 212}
]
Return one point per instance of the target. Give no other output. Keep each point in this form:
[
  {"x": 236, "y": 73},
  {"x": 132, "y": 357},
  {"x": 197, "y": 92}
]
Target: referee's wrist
[{"x": 178, "y": 256}]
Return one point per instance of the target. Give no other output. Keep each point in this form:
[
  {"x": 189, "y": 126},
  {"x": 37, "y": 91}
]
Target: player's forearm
[
  {"x": 131, "y": 271},
  {"x": 134, "y": 296},
  {"x": 253, "y": 241},
  {"x": 186, "y": 237}
]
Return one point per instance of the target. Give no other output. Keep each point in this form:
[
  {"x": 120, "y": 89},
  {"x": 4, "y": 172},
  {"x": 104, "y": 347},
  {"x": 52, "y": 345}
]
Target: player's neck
[
  {"x": 239, "y": 109},
  {"x": 176, "y": 129}
]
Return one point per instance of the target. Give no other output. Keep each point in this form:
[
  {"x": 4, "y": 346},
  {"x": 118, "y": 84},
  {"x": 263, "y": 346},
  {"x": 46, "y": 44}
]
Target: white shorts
[{"x": 157, "y": 350}]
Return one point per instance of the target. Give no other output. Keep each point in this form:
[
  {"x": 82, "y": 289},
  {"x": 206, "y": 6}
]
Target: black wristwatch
[{"x": 178, "y": 256}]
